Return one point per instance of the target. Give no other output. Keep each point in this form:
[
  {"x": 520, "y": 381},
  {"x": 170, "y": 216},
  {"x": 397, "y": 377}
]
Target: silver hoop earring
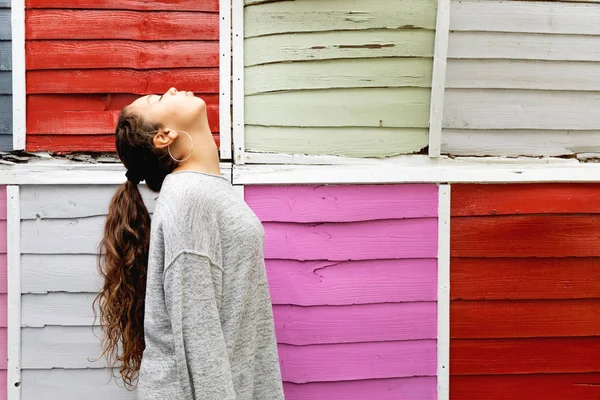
[{"x": 191, "y": 149}]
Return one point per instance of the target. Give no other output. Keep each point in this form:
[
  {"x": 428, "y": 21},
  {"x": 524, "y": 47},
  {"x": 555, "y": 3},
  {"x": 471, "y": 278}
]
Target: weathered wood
[
  {"x": 381, "y": 107},
  {"x": 86, "y": 54},
  {"x": 5, "y": 115},
  {"x": 5, "y": 25},
  {"x": 526, "y": 236},
  {"x": 132, "y": 25},
  {"x": 337, "y": 15},
  {"x": 65, "y": 236},
  {"x": 547, "y": 278},
  {"x": 5, "y": 56},
  {"x": 524, "y": 356},
  {"x": 59, "y": 273},
  {"x": 142, "y": 5},
  {"x": 197, "y": 80},
  {"x": 521, "y": 109},
  {"x": 342, "y": 203},
  {"x": 70, "y": 143},
  {"x": 57, "y": 309},
  {"x": 412, "y": 238},
  {"x": 6, "y": 142},
  {"x": 333, "y": 45},
  {"x": 327, "y": 74},
  {"x": 5, "y": 82},
  {"x": 342, "y": 141}
]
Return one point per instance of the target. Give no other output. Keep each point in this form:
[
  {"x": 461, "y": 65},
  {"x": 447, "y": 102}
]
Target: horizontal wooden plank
[
  {"x": 5, "y": 25},
  {"x": 6, "y": 143},
  {"x": 59, "y": 273},
  {"x": 526, "y": 236},
  {"x": 89, "y": 54},
  {"x": 72, "y": 384},
  {"x": 113, "y": 24},
  {"x": 411, "y": 238},
  {"x": 3, "y": 318},
  {"x": 327, "y": 74},
  {"x": 526, "y": 387},
  {"x": 3, "y": 383},
  {"x": 520, "y": 109},
  {"x": 3, "y": 351},
  {"x": 523, "y": 46},
  {"x": 6, "y": 112},
  {"x": 5, "y": 55},
  {"x": 334, "y": 45},
  {"x": 54, "y": 309},
  {"x": 342, "y": 203},
  {"x": 377, "y": 107},
  {"x": 337, "y": 15},
  {"x": 549, "y": 198},
  {"x": 502, "y": 278},
  {"x": 5, "y": 3},
  {"x": 524, "y": 318},
  {"x": 342, "y": 141},
  {"x": 142, "y": 5},
  {"x": 346, "y": 362},
  {"x": 197, "y": 80},
  {"x": 62, "y": 236},
  {"x": 524, "y": 356},
  {"x": 5, "y": 82},
  {"x": 526, "y": 17},
  {"x": 514, "y": 143}
]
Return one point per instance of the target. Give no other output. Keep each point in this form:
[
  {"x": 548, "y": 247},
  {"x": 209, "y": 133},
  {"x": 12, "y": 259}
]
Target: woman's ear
[{"x": 164, "y": 138}]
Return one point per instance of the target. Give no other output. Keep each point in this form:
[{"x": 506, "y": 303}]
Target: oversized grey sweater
[{"x": 209, "y": 323}]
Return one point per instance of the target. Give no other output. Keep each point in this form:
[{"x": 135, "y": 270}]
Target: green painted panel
[
  {"x": 348, "y": 142},
  {"x": 333, "y": 15},
  {"x": 336, "y": 45},
  {"x": 378, "y": 107},
  {"x": 327, "y": 74}
]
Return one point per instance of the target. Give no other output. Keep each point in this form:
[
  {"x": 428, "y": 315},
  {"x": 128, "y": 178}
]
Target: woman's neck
[{"x": 205, "y": 155}]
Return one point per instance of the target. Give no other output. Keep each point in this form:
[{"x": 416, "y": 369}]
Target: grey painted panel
[
  {"x": 5, "y": 25},
  {"x": 66, "y": 309},
  {"x": 59, "y": 273},
  {"x": 5, "y": 56},
  {"x": 6, "y": 142},
  {"x": 4, "y": 3},
  {"x": 5, "y": 82},
  {"x": 5, "y": 114},
  {"x": 62, "y": 236},
  {"x": 74, "y": 384}
]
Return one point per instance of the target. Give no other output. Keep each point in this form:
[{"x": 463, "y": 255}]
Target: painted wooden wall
[
  {"x": 523, "y": 79},
  {"x": 353, "y": 272},
  {"x": 88, "y": 59},
  {"x": 5, "y": 77},
  {"x": 525, "y": 290},
  {"x": 338, "y": 77},
  {"x": 3, "y": 296}
]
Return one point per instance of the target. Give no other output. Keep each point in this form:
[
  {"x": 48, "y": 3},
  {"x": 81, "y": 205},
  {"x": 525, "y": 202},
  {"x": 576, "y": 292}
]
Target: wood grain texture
[
  {"x": 502, "y": 278},
  {"x": 71, "y": 143},
  {"x": 339, "y": 15},
  {"x": 524, "y": 356},
  {"x": 71, "y": 81},
  {"x": 59, "y": 273},
  {"x": 342, "y": 203},
  {"x": 5, "y": 26},
  {"x": 412, "y": 238},
  {"x": 335, "y": 45},
  {"x": 88, "y": 54},
  {"x": 132, "y": 25},
  {"x": 553, "y": 198},
  {"x": 57, "y": 309},
  {"x": 342, "y": 141},
  {"x": 141, "y": 5},
  {"x": 380, "y": 107},
  {"x": 5, "y": 55},
  {"x": 71, "y": 236},
  {"x": 5, "y": 82},
  {"x": 328, "y": 74}
]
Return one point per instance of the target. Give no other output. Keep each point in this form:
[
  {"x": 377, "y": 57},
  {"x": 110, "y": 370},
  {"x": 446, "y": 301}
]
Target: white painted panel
[
  {"x": 523, "y": 46},
  {"x": 62, "y": 236},
  {"x": 53, "y": 309},
  {"x": 59, "y": 273},
  {"x": 521, "y": 109},
  {"x": 72, "y": 384},
  {"x": 525, "y": 16}
]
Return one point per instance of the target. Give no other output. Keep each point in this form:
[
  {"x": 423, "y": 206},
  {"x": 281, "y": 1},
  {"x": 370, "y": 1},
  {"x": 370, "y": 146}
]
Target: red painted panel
[
  {"x": 180, "y": 5},
  {"x": 526, "y": 387},
  {"x": 526, "y": 236},
  {"x": 524, "y": 356},
  {"x": 556, "y": 198},
  {"x": 503, "y": 278},
  {"x": 134, "y": 25}
]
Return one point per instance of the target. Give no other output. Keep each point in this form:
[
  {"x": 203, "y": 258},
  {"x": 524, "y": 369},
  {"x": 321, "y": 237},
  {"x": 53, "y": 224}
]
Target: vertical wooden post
[
  {"x": 443, "y": 328},
  {"x": 237, "y": 23},
  {"x": 14, "y": 291},
  {"x": 225, "y": 78},
  {"x": 18, "y": 73}
]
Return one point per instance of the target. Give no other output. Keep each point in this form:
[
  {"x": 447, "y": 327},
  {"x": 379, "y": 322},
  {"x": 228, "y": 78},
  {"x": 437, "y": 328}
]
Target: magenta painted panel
[
  {"x": 356, "y": 361},
  {"x": 3, "y": 349},
  {"x": 388, "y": 239},
  {"x": 3, "y": 274},
  {"x": 310, "y": 283},
  {"x": 342, "y": 203},
  {"x": 359, "y": 323},
  {"x": 418, "y": 388}
]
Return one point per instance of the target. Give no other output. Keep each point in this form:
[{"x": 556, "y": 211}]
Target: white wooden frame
[
  {"x": 225, "y": 78},
  {"x": 14, "y": 292},
  {"x": 443, "y": 299},
  {"x": 237, "y": 23},
  {"x": 18, "y": 73}
]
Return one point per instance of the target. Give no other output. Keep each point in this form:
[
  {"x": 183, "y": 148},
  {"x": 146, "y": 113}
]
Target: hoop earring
[{"x": 191, "y": 149}]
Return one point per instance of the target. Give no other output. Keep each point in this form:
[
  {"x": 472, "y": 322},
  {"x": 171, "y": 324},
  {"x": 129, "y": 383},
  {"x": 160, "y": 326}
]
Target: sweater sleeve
[{"x": 191, "y": 284}]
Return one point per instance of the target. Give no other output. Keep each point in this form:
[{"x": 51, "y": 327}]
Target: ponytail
[{"x": 123, "y": 263}]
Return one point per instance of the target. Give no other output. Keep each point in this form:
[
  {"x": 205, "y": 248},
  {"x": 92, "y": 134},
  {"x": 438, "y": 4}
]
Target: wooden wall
[
  {"x": 88, "y": 59},
  {"x": 525, "y": 290},
  {"x": 338, "y": 77},
  {"x": 5, "y": 77},
  {"x": 523, "y": 79},
  {"x": 353, "y": 278}
]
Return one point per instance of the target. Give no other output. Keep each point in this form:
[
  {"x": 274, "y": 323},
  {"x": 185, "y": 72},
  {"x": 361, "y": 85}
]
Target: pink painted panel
[
  {"x": 359, "y": 323},
  {"x": 3, "y": 274},
  {"x": 3, "y": 349},
  {"x": 311, "y": 283},
  {"x": 342, "y": 203},
  {"x": 417, "y": 388},
  {"x": 389, "y": 239},
  {"x": 356, "y": 361},
  {"x": 2, "y": 236}
]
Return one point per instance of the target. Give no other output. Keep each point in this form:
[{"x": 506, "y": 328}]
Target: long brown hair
[{"x": 123, "y": 252}]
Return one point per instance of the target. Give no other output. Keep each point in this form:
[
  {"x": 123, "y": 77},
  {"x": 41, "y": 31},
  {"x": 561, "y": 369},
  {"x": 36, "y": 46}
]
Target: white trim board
[
  {"x": 443, "y": 299},
  {"x": 225, "y": 78},
  {"x": 14, "y": 292},
  {"x": 237, "y": 24},
  {"x": 18, "y": 73}
]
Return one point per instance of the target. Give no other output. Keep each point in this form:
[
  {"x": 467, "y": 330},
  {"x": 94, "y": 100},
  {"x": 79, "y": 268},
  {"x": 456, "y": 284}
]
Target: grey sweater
[{"x": 209, "y": 323}]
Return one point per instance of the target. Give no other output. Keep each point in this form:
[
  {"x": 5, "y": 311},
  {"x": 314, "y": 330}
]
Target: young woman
[{"x": 189, "y": 291}]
